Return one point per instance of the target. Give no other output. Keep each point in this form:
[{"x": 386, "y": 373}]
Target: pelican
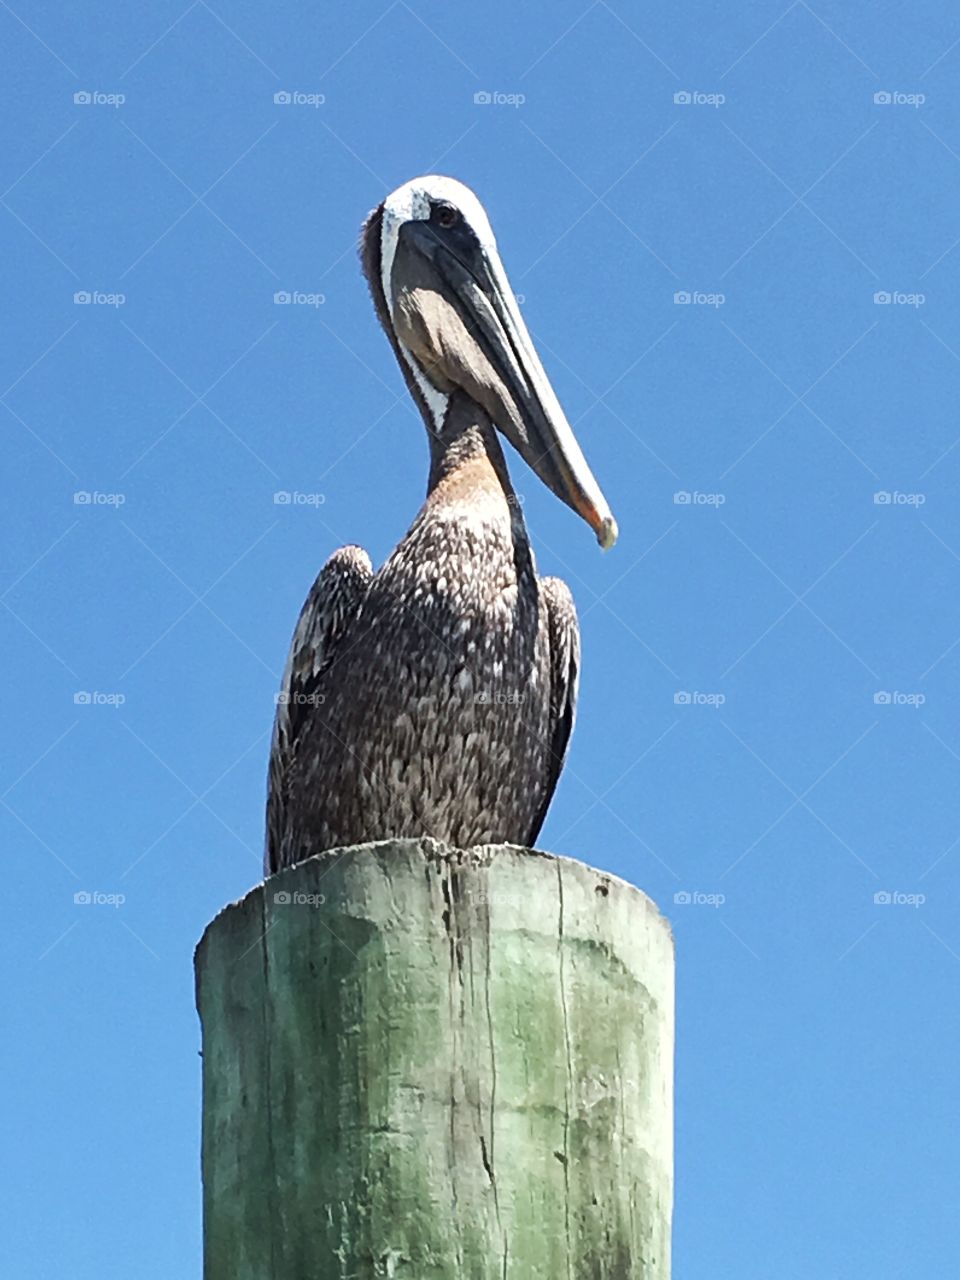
[{"x": 436, "y": 696}]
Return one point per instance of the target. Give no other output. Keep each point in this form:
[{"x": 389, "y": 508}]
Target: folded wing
[
  {"x": 563, "y": 630},
  {"x": 322, "y": 633}
]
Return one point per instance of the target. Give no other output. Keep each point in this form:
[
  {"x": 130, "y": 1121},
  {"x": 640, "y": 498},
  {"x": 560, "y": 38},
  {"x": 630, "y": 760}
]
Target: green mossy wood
[{"x": 431, "y": 1064}]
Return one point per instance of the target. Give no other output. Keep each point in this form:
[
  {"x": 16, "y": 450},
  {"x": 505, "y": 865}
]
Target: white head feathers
[{"x": 411, "y": 203}]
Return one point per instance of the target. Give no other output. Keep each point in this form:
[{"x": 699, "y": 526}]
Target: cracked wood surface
[{"x": 432, "y": 1064}]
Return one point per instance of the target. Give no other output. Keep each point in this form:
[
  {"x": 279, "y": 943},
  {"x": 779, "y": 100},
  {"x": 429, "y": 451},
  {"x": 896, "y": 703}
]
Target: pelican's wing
[
  {"x": 564, "y": 638},
  {"x": 323, "y": 629}
]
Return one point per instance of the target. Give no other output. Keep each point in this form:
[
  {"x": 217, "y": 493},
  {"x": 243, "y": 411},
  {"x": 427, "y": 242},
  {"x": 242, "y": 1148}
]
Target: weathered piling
[{"x": 436, "y": 1064}]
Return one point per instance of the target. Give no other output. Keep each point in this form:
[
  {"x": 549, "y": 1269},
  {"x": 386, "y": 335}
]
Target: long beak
[{"x": 525, "y": 405}]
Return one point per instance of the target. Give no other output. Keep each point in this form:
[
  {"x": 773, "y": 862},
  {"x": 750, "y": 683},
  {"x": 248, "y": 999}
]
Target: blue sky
[{"x": 769, "y": 709}]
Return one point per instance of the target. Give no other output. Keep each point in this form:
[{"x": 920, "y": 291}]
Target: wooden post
[{"x": 432, "y": 1064}]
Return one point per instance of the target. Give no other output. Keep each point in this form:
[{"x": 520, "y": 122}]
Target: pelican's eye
[{"x": 447, "y": 215}]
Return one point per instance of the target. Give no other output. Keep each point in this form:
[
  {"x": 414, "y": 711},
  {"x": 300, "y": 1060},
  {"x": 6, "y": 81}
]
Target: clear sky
[{"x": 769, "y": 708}]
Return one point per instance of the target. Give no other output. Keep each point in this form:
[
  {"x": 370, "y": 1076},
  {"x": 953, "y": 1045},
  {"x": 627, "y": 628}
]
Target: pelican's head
[{"x": 445, "y": 300}]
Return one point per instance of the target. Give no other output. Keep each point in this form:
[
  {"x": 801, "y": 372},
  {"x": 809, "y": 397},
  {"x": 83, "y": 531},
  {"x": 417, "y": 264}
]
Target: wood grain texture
[{"x": 432, "y": 1064}]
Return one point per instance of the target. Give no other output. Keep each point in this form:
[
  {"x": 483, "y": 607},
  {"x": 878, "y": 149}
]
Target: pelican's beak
[{"x": 471, "y": 334}]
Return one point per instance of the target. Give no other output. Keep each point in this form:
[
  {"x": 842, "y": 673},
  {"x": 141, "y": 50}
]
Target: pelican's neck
[
  {"x": 468, "y": 473},
  {"x": 467, "y": 438}
]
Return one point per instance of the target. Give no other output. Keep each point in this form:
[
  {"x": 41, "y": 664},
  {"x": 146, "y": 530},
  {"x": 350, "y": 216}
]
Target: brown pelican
[{"x": 437, "y": 695}]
